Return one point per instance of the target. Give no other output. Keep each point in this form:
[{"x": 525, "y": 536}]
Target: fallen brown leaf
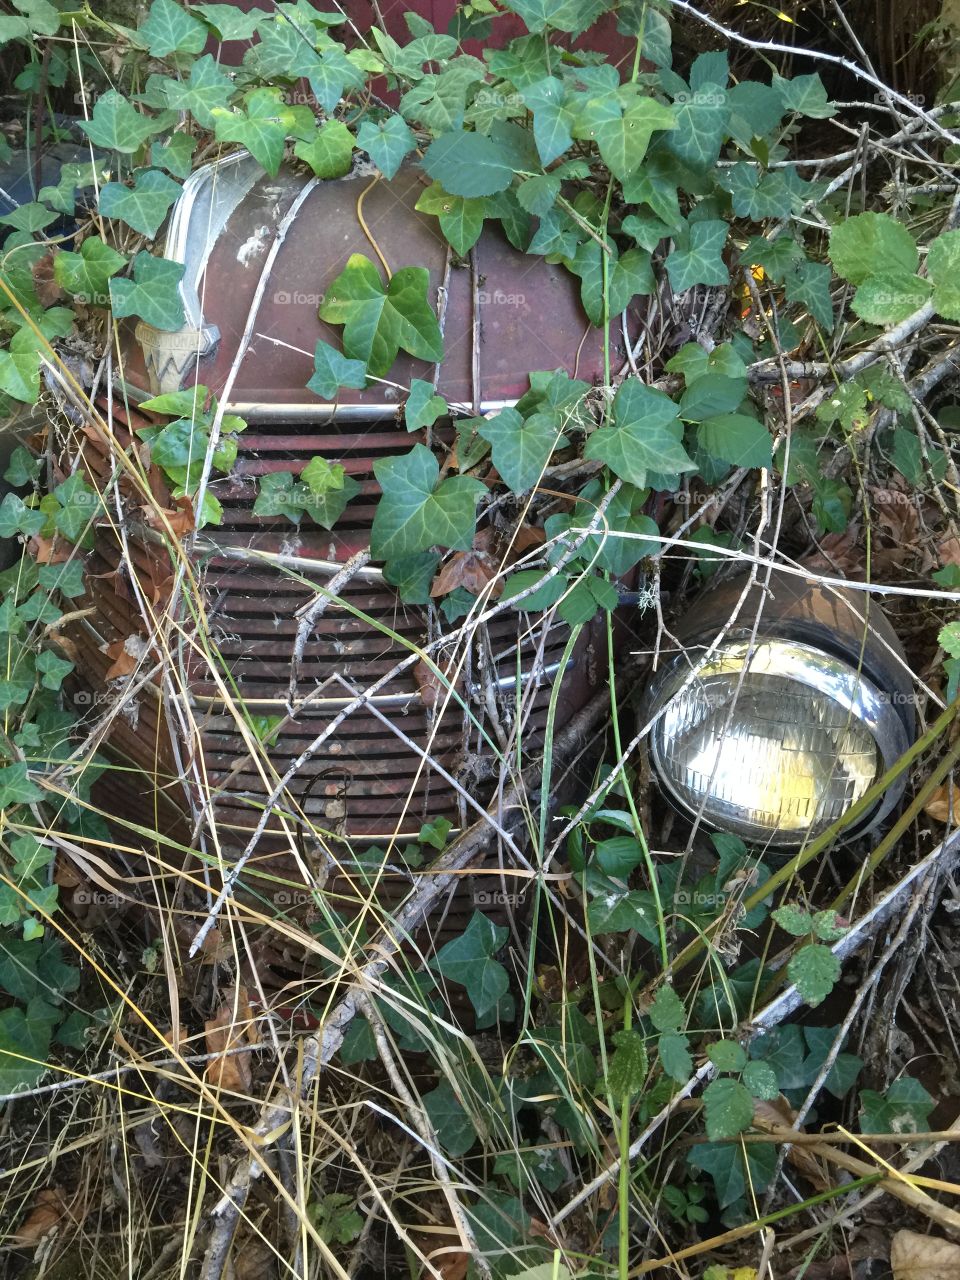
[
  {"x": 180, "y": 520},
  {"x": 949, "y": 550},
  {"x": 49, "y": 1209},
  {"x": 125, "y": 655},
  {"x": 777, "y": 1114},
  {"x": 917, "y": 1257},
  {"x": 448, "y": 1259},
  {"x": 429, "y": 683},
  {"x": 472, "y": 570},
  {"x": 233, "y": 1024},
  {"x": 943, "y": 804},
  {"x": 44, "y": 281}
]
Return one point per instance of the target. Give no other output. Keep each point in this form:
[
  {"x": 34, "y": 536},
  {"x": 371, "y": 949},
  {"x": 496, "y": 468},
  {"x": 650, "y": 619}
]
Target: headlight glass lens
[{"x": 772, "y": 746}]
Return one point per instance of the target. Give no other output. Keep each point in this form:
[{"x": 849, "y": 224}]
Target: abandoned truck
[{"x": 769, "y": 728}]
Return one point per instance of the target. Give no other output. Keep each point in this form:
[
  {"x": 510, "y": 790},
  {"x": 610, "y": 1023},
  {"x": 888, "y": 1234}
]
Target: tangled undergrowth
[{"x": 641, "y": 1048}]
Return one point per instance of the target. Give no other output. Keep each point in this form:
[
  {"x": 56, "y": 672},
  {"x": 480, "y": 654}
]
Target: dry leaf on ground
[
  {"x": 917, "y": 1257},
  {"x": 49, "y": 1209},
  {"x": 943, "y": 804},
  {"x": 233, "y": 1024}
]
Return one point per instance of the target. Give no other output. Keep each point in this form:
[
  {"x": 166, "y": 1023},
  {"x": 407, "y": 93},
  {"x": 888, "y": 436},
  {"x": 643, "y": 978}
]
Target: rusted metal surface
[
  {"x": 529, "y": 313},
  {"x": 365, "y": 785}
]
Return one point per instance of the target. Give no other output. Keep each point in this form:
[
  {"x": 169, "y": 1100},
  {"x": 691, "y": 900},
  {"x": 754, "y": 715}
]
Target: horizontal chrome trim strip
[
  {"x": 245, "y": 555},
  {"x": 253, "y": 411},
  {"x": 378, "y": 700}
]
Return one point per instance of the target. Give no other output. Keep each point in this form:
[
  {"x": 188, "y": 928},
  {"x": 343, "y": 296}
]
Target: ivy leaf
[
  {"x": 626, "y": 277},
  {"x": 905, "y": 1108},
  {"x": 701, "y": 119},
  {"x": 805, "y": 95},
  {"x": 655, "y": 183},
  {"x": 469, "y": 961},
  {"x": 20, "y": 375},
  {"x": 330, "y": 153},
  {"x": 622, "y": 137},
  {"x": 710, "y": 393},
  {"x": 521, "y": 449},
  {"x": 53, "y": 670},
  {"x": 861, "y": 245},
  {"x": 332, "y": 370},
  {"x": 386, "y": 143},
  {"x": 619, "y": 910},
  {"x": 724, "y": 1162},
  {"x": 451, "y": 1123},
  {"x": 943, "y": 268},
  {"x": 761, "y": 1079},
  {"x": 17, "y": 788},
  {"x": 415, "y": 512},
  {"x": 776, "y": 257},
  {"x": 175, "y": 155},
  {"x": 86, "y": 274},
  {"x": 552, "y": 121},
  {"x": 647, "y": 436},
  {"x": 604, "y": 550},
  {"x": 31, "y": 218},
  {"x": 152, "y": 294},
  {"x": 468, "y": 164},
  {"x": 378, "y": 322},
  {"x": 67, "y": 578},
  {"x": 808, "y": 285},
  {"x": 117, "y": 126},
  {"x": 627, "y": 1069},
  {"x": 261, "y": 125},
  {"x": 333, "y": 74},
  {"x": 284, "y": 50},
  {"x": 728, "y": 1109},
  {"x": 736, "y": 438},
  {"x": 412, "y": 576},
  {"x": 814, "y": 971},
  {"x": 229, "y": 22},
  {"x": 423, "y": 405},
  {"x": 727, "y": 1055},
  {"x": 24, "y": 1046},
  {"x": 359, "y": 1044},
  {"x": 322, "y": 492},
  {"x": 438, "y": 102},
  {"x": 16, "y": 517},
  {"x": 169, "y": 28},
  {"x": 23, "y": 468},
  {"x": 697, "y": 257},
  {"x": 205, "y": 89},
  {"x": 572, "y": 16},
  {"x": 587, "y": 596},
  {"x": 755, "y": 110},
  {"x": 667, "y": 1012},
  {"x": 948, "y": 638},
  {"x": 461, "y": 218},
  {"x": 772, "y": 195},
  {"x": 142, "y": 206}
]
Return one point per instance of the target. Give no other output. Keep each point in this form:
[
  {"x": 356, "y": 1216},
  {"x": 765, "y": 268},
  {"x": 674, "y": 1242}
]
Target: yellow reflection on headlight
[{"x": 767, "y": 757}]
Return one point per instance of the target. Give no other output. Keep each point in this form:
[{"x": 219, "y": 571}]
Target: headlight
[{"x": 774, "y": 738}]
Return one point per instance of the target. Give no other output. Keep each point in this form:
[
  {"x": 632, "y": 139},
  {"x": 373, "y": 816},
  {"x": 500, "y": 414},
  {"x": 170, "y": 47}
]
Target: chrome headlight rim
[{"x": 805, "y": 664}]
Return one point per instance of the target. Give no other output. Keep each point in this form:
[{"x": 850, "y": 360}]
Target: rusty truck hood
[{"x": 505, "y": 313}]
